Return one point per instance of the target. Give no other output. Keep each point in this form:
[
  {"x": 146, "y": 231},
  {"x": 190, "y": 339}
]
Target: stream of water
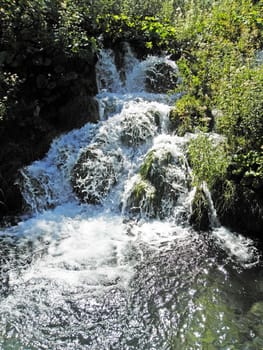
[{"x": 99, "y": 263}]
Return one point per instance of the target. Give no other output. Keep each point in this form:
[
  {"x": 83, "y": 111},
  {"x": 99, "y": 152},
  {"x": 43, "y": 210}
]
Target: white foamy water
[{"x": 101, "y": 262}]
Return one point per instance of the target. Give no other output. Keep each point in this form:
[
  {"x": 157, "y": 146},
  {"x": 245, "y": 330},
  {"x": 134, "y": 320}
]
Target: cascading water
[{"x": 107, "y": 259}]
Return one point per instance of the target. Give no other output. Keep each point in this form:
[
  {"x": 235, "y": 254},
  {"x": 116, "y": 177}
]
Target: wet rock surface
[
  {"x": 161, "y": 181},
  {"x": 199, "y": 217},
  {"x": 94, "y": 174},
  {"x": 161, "y": 78},
  {"x": 137, "y": 130}
]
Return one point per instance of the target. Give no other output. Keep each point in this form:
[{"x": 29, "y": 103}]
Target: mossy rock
[
  {"x": 199, "y": 217},
  {"x": 160, "y": 185},
  {"x": 161, "y": 78},
  {"x": 142, "y": 199},
  {"x": 160, "y": 169},
  {"x": 138, "y": 129},
  {"x": 95, "y": 173},
  {"x": 154, "y": 166}
]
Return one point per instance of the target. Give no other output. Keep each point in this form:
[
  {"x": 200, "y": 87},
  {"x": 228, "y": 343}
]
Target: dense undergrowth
[
  {"x": 47, "y": 56},
  {"x": 222, "y": 70}
]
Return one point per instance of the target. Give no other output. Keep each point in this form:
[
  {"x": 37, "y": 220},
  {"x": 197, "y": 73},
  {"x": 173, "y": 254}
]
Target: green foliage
[
  {"x": 209, "y": 160},
  {"x": 146, "y": 167},
  {"x": 149, "y": 29},
  {"x": 143, "y": 189},
  {"x": 249, "y": 167},
  {"x": 75, "y": 27},
  {"x": 189, "y": 114},
  {"x": 239, "y": 22},
  {"x": 219, "y": 41},
  {"x": 225, "y": 194},
  {"x": 241, "y": 120},
  {"x": 216, "y": 38},
  {"x": 36, "y": 24},
  {"x": 242, "y": 108}
]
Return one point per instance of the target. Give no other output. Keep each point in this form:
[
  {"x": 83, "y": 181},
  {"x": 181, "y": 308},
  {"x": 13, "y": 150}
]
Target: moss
[
  {"x": 146, "y": 167},
  {"x": 142, "y": 199},
  {"x": 143, "y": 189},
  {"x": 160, "y": 186},
  {"x": 199, "y": 218},
  {"x": 153, "y": 167}
]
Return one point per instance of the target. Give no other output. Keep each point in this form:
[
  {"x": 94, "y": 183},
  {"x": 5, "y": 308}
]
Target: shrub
[
  {"x": 240, "y": 99},
  {"x": 189, "y": 114},
  {"x": 209, "y": 159},
  {"x": 149, "y": 30}
]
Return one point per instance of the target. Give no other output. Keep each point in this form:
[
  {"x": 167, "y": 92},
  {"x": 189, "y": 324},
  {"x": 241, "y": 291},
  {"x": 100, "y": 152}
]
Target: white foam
[
  {"x": 89, "y": 244},
  {"x": 240, "y": 248}
]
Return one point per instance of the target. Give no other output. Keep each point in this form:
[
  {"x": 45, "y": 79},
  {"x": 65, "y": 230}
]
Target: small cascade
[
  {"x": 107, "y": 75},
  {"x": 106, "y": 258},
  {"x": 162, "y": 184},
  {"x": 129, "y": 160},
  {"x": 214, "y": 221},
  {"x": 154, "y": 75},
  {"x": 131, "y": 119},
  {"x": 45, "y": 184}
]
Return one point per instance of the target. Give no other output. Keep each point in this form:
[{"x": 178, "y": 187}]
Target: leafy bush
[
  {"x": 189, "y": 114},
  {"x": 209, "y": 159},
  {"x": 149, "y": 30},
  {"x": 240, "y": 99},
  {"x": 219, "y": 42}
]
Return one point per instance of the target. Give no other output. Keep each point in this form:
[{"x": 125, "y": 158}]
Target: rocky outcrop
[
  {"x": 77, "y": 112},
  {"x": 199, "y": 217},
  {"x": 138, "y": 129},
  {"x": 161, "y": 181},
  {"x": 161, "y": 78},
  {"x": 95, "y": 173}
]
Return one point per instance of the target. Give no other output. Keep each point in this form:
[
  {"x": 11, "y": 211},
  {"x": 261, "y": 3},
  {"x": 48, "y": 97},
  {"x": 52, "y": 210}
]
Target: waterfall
[
  {"x": 214, "y": 221},
  {"x": 106, "y": 258}
]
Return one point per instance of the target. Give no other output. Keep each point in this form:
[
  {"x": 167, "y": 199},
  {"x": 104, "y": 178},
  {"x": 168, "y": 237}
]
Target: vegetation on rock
[
  {"x": 161, "y": 181},
  {"x": 199, "y": 217}
]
